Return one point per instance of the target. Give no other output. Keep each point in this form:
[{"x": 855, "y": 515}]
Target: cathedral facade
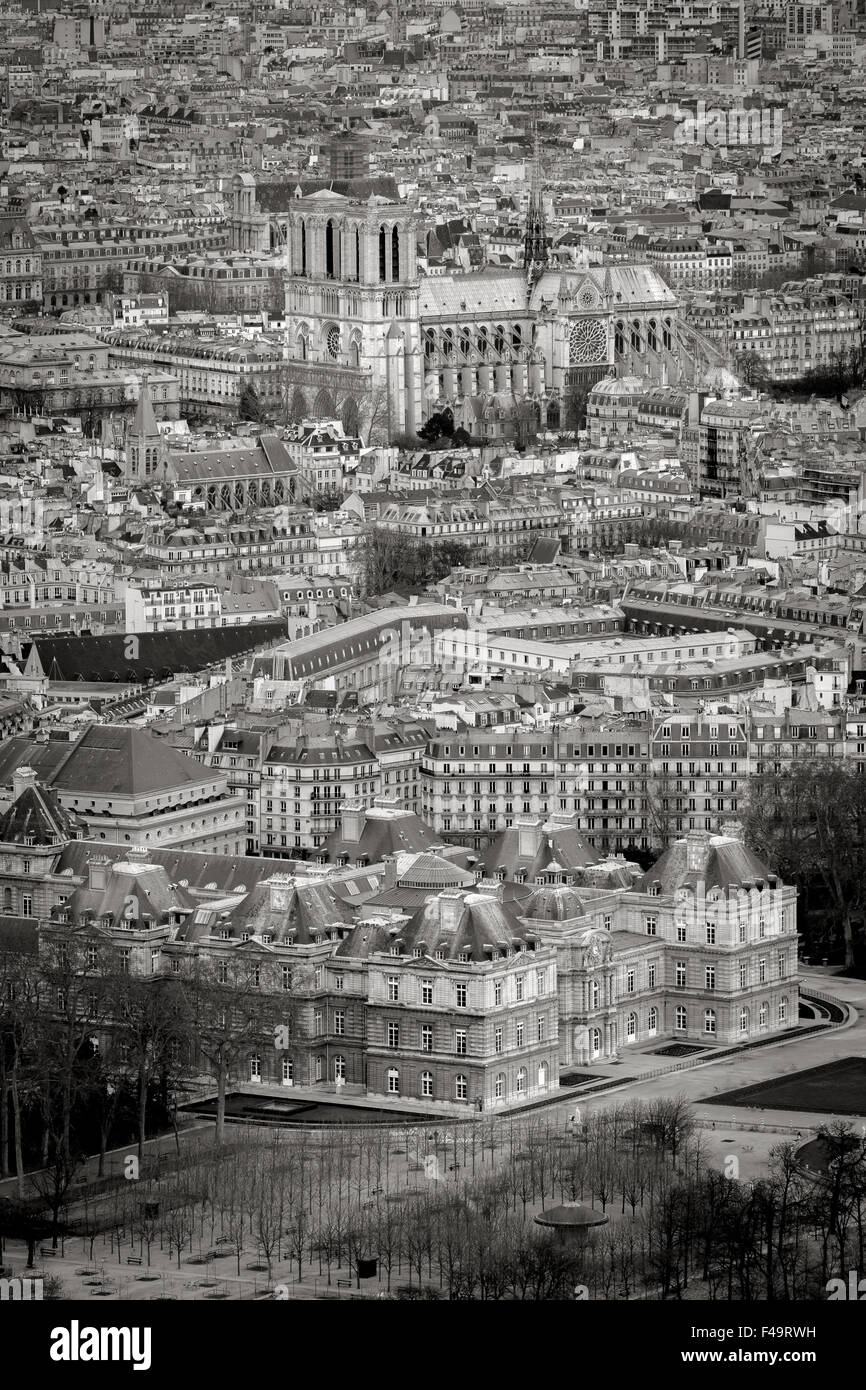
[{"x": 371, "y": 338}]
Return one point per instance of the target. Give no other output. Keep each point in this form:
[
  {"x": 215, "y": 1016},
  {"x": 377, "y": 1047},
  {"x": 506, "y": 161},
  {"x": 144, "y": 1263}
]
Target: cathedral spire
[{"x": 535, "y": 241}]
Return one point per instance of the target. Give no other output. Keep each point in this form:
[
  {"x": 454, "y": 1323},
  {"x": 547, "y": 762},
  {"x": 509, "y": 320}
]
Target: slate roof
[
  {"x": 386, "y": 831},
  {"x": 160, "y": 654},
  {"x": 560, "y": 848},
  {"x": 725, "y": 862},
  {"x": 105, "y": 759},
  {"x": 37, "y": 818},
  {"x": 128, "y": 761}
]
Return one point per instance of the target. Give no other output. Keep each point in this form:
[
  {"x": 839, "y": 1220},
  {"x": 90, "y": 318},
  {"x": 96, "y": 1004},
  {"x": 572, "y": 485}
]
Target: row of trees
[
  {"x": 91, "y": 1054},
  {"x": 452, "y": 1215}
]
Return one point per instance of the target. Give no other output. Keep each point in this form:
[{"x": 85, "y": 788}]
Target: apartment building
[{"x": 20, "y": 263}]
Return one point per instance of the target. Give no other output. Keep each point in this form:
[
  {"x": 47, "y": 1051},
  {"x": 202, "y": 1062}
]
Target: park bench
[
  {"x": 47, "y": 1252},
  {"x": 344, "y": 1283},
  {"x": 133, "y": 1259}
]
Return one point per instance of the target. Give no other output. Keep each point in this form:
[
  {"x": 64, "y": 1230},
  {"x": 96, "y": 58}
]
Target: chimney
[
  {"x": 732, "y": 830},
  {"x": 450, "y": 909},
  {"x": 697, "y": 844},
  {"x": 353, "y": 817},
  {"x": 389, "y": 876},
  {"x": 529, "y": 831},
  {"x": 22, "y": 778}
]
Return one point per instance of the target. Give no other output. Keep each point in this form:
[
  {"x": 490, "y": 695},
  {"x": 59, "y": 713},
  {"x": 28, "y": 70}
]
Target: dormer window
[{"x": 29, "y": 840}]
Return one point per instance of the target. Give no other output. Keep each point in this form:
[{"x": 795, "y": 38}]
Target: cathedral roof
[
  {"x": 449, "y": 296},
  {"x": 630, "y": 286}
]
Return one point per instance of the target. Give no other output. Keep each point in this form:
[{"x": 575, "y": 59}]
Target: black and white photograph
[{"x": 432, "y": 678}]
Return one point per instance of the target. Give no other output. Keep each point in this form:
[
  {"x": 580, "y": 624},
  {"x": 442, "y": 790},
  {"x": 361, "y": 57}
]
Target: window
[
  {"x": 783, "y": 1010},
  {"x": 460, "y": 995},
  {"x": 762, "y": 970},
  {"x": 540, "y": 981},
  {"x": 499, "y": 1086},
  {"x": 27, "y": 904},
  {"x": 518, "y": 987},
  {"x": 651, "y": 975},
  {"x": 631, "y": 1028},
  {"x": 339, "y": 982},
  {"x": 460, "y": 1042},
  {"x": 681, "y": 1022},
  {"x": 652, "y": 1021},
  {"x": 519, "y": 1030},
  {"x": 744, "y": 1020},
  {"x": 339, "y": 1021},
  {"x": 427, "y": 1084},
  {"x": 541, "y": 1027},
  {"x": 651, "y": 925},
  {"x": 497, "y": 1040},
  {"x": 680, "y": 974},
  {"x": 629, "y": 982},
  {"x": 461, "y": 1087},
  {"x": 286, "y": 975},
  {"x": 521, "y": 1082},
  {"x": 711, "y": 934},
  {"x": 222, "y": 973},
  {"x": 709, "y": 1020},
  {"x": 426, "y": 1038},
  {"x": 709, "y": 977},
  {"x": 744, "y": 974},
  {"x": 763, "y": 1015},
  {"x": 393, "y": 988},
  {"x": 594, "y": 994},
  {"x": 393, "y": 1081},
  {"x": 255, "y": 1067},
  {"x": 681, "y": 933},
  {"x": 426, "y": 991},
  {"x": 317, "y": 1022},
  {"x": 318, "y": 976},
  {"x": 288, "y": 1071},
  {"x": 393, "y": 1035},
  {"x": 497, "y": 991}
]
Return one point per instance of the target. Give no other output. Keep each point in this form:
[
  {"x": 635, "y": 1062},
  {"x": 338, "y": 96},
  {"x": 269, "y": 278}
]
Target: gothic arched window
[
  {"x": 330, "y": 259},
  {"x": 383, "y": 250},
  {"x": 395, "y": 254}
]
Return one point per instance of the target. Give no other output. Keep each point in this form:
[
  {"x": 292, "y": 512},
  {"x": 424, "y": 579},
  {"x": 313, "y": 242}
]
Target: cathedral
[{"x": 373, "y": 339}]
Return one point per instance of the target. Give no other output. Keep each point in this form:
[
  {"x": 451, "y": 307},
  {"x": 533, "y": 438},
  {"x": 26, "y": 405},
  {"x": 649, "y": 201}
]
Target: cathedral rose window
[{"x": 587, "y": 342}]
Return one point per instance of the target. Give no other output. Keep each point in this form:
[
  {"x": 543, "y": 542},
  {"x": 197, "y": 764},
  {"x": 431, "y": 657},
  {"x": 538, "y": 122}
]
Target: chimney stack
[
  {"x": 22, "y": 778},
  {"x": 450, "y": 909},
  {"x": 697, "y": 844},
  {"x": 529, "y": 830},
  {"x": 353, "y": 817}
]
